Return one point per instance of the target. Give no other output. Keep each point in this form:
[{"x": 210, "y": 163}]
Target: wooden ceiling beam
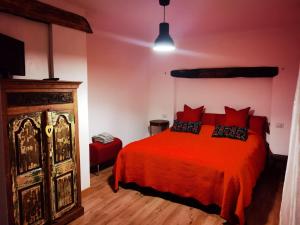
[
  {"x": 227, "y": 72},
  {"x": 42, "y": 12}
]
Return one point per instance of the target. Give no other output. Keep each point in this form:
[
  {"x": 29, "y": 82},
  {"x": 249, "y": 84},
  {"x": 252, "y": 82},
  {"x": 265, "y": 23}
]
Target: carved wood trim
[
  {"x": 38, "y": 98},
  {"x": 228, "y": 72},
  {"x": 42, "y": 12}
]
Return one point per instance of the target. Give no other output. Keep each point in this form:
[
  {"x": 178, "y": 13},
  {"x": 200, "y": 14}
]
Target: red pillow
[
  {"x": 179, "y": 115},
  {"x": 236, "y": 118},
  {"x": 191, "y": 115},
  {"x": 259, "y": 124}
]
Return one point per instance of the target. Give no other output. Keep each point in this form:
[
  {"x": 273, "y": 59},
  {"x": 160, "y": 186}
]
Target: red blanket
[{"x": 218, "y": 171}]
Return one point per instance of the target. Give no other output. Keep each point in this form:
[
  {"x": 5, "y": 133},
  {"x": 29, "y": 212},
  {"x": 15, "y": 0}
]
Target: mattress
[{"x": 211, "y": 170}]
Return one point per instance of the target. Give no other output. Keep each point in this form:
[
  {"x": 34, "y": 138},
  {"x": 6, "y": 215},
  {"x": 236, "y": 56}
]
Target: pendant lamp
[{"x": 164, "y": 42}]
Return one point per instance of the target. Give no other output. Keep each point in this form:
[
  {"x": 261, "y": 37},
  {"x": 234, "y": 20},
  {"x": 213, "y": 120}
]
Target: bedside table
[{"x": 160, "y": 124}]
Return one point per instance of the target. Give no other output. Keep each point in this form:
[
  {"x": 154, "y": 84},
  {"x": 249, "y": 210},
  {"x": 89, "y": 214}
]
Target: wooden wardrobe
[{"x": 39, "y": 152}]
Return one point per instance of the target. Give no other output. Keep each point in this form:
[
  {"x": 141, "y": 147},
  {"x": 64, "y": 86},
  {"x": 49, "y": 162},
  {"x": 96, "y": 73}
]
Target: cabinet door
[
  {"x": 62, "y": 162},
  {"x": 28, "y": 169}
]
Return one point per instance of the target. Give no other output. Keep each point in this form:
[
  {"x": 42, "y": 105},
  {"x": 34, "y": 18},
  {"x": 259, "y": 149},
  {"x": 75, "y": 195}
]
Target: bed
[{"x": 219, "y": 171}]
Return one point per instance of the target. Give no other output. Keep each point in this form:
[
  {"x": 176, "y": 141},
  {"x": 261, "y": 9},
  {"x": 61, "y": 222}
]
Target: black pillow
[
  {"x": 231, "y": 132},
  {"x": 189, "y": 127}
]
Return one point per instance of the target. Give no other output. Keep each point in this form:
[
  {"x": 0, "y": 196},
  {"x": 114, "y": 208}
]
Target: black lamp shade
[{"x": 164, "y": 42}]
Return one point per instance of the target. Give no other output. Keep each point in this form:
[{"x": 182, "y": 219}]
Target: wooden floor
[{"x": 129, "y": 206}]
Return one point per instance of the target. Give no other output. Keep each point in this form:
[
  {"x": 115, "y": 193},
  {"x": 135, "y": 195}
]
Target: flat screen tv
[{"x": 12, "y": 57}]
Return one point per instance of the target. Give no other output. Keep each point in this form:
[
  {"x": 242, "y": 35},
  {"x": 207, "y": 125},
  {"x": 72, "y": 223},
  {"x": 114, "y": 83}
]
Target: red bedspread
[{"x": 218, "y": 171}]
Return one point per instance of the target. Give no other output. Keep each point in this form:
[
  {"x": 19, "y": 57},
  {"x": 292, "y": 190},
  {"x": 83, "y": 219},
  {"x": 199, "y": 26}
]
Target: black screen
[{"x": 12, "y": 58}]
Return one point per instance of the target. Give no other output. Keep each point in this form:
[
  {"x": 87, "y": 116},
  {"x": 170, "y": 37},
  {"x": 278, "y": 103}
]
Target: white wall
[{"x": 70, "y": 63}]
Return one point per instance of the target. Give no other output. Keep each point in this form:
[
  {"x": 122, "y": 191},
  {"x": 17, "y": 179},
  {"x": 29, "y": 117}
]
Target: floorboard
[{"x": 135, "y": 207}]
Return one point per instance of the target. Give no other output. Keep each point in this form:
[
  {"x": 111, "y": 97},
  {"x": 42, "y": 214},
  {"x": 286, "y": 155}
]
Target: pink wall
[
  {"x": 270, "y": 97},
  {"x": 127, "y": 81},
  {"x": 129, "y": 84},
  {"x": 118, "y": 88}
]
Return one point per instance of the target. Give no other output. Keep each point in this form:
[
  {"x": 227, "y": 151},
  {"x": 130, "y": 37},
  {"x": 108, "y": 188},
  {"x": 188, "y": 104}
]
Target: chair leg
[
  {"x": 98, "y": 170},
  {"x": 97, "y": 173}
]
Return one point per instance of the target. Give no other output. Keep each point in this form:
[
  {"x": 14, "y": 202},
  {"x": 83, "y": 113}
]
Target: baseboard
[
  {"x": 86, "y": 192},
  {"x": 70, "y": 216}
]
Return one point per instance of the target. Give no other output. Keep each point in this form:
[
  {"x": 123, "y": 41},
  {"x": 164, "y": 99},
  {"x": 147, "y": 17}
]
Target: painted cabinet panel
[
  {"x": 62, "y": 162},
  {"x": 28, "y": 169},
  {"x": 29, "y": 165}
]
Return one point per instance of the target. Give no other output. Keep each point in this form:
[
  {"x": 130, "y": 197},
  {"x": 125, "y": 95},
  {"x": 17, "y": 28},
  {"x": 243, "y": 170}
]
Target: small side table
[{"x": 161, "y": 124}]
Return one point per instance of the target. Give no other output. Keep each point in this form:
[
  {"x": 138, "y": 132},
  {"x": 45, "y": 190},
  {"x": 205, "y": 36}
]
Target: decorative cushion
[
  {"x": 192, "y": 115},
  {"x": 231, "y": 132},
  {"x": 238, "y": 118},
  {"x": 241, "y": 134},
  {"x": 188, "y": 127}
]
